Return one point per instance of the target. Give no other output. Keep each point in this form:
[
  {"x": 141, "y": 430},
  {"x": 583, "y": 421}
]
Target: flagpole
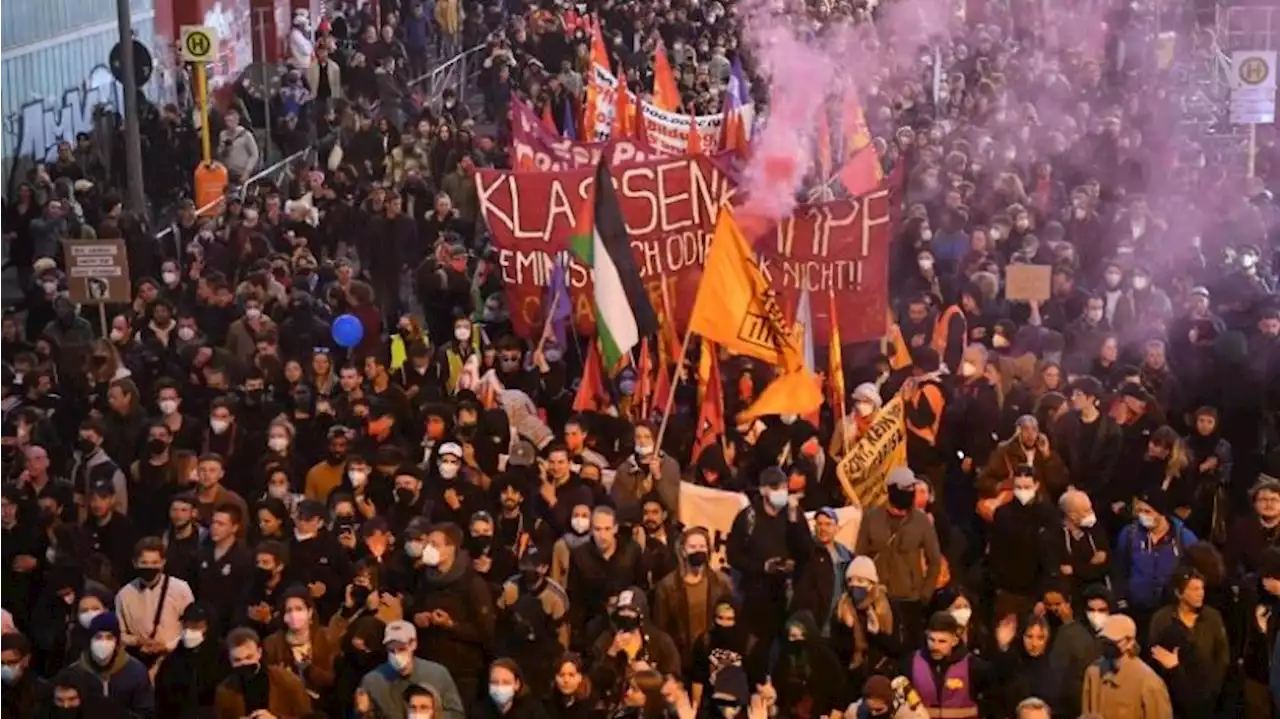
[
  {"x": 675, "y": 382},
  {"x": 546, "y": 325}
]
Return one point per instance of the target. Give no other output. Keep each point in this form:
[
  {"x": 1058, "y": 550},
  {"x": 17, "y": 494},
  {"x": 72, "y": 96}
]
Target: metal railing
[{"x": 453, "y": 73}]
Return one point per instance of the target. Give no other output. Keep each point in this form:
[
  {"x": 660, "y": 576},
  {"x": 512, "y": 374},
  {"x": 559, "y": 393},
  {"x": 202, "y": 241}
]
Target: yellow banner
[{"x": 880, "y": 448}]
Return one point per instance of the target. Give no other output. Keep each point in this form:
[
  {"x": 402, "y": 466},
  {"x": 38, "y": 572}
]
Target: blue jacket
[
  {"x": 124, "y": 682},
  {"x": 417, "y": 31},
  {"x": 1142, "y": 572}
]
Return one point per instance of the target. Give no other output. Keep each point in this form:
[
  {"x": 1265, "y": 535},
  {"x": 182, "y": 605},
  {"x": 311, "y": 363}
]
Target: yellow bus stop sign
[{"x": 199, "y": 43}]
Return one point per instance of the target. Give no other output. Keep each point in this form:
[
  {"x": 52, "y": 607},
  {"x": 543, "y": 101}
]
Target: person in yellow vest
[
  {"x": 926, "y": 400},
  {"x": 455, "y": 353}
]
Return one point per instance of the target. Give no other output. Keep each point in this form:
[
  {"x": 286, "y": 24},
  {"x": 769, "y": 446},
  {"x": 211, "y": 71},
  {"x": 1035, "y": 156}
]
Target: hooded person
[
  {"x": 121, "y": 680},
  {"x": 807, "y": 674},
  {"x": 864, "y": 402}
]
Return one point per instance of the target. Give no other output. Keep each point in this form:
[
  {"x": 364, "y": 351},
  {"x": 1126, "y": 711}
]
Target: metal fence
[{"x": 457, "y": 73}]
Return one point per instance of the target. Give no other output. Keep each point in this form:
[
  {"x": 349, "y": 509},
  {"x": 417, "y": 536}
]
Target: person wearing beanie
[
  {"x": 188, "y": 677},
  {"x": 122, "y": 681},
  {"x": 864, "y": 402},
  {"x": 896, "y": 537},
  {"x": 768, "y": 540},
  {"x": 863, "y": 633},
  {"x": 1146, "y": 554},
  {"x": 882, "y": 700},
  {"x": 1121, "y": 685},
  {"x": 948, "y": 677}
]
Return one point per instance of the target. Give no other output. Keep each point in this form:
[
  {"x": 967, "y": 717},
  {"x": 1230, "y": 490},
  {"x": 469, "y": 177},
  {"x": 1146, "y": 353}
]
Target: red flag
[
  {"x": 666, "y": 93},
  {"x": 591, "y": 393},
  {"x": 711, "y": 411},
  {"x": 733, "y": 137},
  {"x": 695, "y": 140},
  {"x": 861, "y": 173}
]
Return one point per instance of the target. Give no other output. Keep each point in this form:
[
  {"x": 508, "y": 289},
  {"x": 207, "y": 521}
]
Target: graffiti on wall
[{"x": 42, "y": 123}]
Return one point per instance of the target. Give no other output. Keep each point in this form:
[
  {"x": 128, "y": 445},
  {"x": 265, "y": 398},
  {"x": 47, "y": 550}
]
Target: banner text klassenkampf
[{"x": 670, "y": 207}]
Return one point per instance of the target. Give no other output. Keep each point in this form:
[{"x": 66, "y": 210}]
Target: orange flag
[
  {"x": 666, "y": 93},
  {"x": 623, "y": 117},
  {"x": 835, "y": 361},
  {"x": 591, "y": 396},
  {"x": 733, "y": 136},
  {"x": 695, "y": 140},
  {"x": 599, "y": 53},
  {"x": 548, "y": 119},
  {"x": 711, "y": 407},
  {"x": 644, "y": 382}
]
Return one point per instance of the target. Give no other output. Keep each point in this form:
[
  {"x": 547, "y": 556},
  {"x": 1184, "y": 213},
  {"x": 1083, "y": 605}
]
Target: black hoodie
[{"x": 188, "y": 678}]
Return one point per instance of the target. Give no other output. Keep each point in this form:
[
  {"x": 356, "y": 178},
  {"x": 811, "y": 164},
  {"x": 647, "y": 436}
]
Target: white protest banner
[
  {"x": 667, "y": 132},
  {"x": 715, "y": 509}
]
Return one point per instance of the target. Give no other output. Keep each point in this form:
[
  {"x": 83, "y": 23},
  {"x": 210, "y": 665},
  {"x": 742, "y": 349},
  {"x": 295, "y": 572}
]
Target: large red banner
[
  {"x": 670, "y": 207},
  {"x": 535, "y": 147}
]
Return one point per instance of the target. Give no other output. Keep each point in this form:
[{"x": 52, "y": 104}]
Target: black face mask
[
  {"x": 795, "y": 646},
  {"x": 157, "y": 447},
  {"x": 478, "y": 546},
  {"x": 360, "y": 594},
  {"x": 148, "y": 574},
  {"x": 337, "y": 457},
  {"x": 404, "y": 497},
  {"x": 247, "y": 672},
  {"x": 901, "y": 499},
  {"x": 626, "y": 622},
  {"x": 697, "y": 560},
  {"x": 530, "y": 578},
  {"x": 85, "y": 446}
]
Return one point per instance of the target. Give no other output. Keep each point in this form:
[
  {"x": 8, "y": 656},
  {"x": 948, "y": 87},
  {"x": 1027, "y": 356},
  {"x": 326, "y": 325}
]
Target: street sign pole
[
  {"x": 135, "y": 198},
  {"x": 262, "y": 13},
  {"x": 200, "y": 47}
]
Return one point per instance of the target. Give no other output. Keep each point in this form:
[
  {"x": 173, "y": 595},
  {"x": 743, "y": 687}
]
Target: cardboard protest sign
[
  {"x": 1028, "y": 282},
  {"x": 670, "y": 207},
  {"x": 880, "y": 448}
]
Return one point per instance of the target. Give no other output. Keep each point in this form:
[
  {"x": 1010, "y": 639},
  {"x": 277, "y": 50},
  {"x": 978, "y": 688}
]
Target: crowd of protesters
[{"x": 212, "y": 509}]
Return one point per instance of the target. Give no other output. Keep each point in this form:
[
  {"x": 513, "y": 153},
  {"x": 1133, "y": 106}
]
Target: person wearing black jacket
[
  {"x": 598, "y": 570},
  {"x": 410, "y": 500},
  {"x": 188, "y": 678},
  {"x": 453, "y": 611},
  {"x": 319, "y": 561},
  {"x": 260, "y": 604},
  {"x": 769, "y": 538},
  {"x": 806, "y": 671},
  {"x": 445, "y": 287},
  {"x": 1014, "y": 562},
  {"x": 183, "y": 538},
  {"x": 1088, "y": 440},
  {"x": 110, "y": 532},
  {"x": 452, "y": 497},
  {"x": 1183, "y": 670},
  {"x": 23, "y": 688},
  {"x": 224, "y": 567},
  {"x": 1078, "y": 550},
  {"x": 22, "y": 549}
]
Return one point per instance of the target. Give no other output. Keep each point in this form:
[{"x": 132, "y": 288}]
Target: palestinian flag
[{"x": 623, "y": 312}]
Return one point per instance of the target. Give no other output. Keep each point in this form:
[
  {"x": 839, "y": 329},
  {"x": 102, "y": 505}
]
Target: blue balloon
[{"x": 347, "y": 331}]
